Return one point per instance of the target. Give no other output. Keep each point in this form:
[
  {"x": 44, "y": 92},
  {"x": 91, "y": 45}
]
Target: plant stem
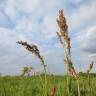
[
  {"x": 68, "y": 91},
  {"x": 45, "y": 77},
  {"x": 89, "y": 84},
  {"x": 78, "y": 86}
]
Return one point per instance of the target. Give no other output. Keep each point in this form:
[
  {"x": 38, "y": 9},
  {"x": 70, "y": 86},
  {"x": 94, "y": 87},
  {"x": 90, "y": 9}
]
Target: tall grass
[
  {"x": 65, "y": 41},
  {"x": 34, "y": 50},
  {"x": 90, "y": 79},
  {"x": 31, "y": 86}
]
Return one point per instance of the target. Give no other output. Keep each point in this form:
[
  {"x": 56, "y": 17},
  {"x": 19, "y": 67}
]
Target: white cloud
[
  {"x": 83, "y": 16},
  {"x": 48, "y": 26},
  {"x": 24, "y": 24},
  {"x": 35, "y": 21},
  {"x": 28, "y": 6},
  {"x": 86, "y": 43}
]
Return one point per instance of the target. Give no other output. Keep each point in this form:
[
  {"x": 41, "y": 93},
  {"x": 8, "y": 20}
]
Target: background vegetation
[{"x": 31, "y": 86}]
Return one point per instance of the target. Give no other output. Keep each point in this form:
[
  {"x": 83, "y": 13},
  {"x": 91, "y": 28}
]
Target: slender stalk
[
  {"x": 68, "y": 91},
  {"x": 89, "y": 79},
  {"x": 34, "y": 50},
  {"x": 89, "y": 84},
  {"x": 78, "y": 86},
  {"x": 65, "y": 41},
  {"x": 45, "y": 80}
]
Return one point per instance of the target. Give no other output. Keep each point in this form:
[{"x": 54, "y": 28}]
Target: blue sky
[{"x": 34, "y": 21}]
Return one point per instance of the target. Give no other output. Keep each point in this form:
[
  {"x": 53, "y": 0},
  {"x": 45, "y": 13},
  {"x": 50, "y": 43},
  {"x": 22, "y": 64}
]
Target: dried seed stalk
[
  {"x": 65, "y": 41},
  {"x": 34, "y": 50},
  {"x": 90, "y": 79}
]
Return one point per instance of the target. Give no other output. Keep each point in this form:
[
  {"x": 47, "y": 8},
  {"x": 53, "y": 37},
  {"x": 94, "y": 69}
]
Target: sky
[{"x": 34, "y": 21}]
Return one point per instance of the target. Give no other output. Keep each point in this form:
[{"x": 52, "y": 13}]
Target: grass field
[{"x": 31, "y": 86}]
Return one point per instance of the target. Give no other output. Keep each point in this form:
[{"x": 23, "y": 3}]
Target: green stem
[
  {"x": 45, "y": 77},
  {"x": 89, "y": 84},
  {"x": 68, "y": 84},
  {"x": 78, "y": 87}
]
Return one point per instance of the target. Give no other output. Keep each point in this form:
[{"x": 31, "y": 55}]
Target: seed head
[{"x": 33, "y": 49}]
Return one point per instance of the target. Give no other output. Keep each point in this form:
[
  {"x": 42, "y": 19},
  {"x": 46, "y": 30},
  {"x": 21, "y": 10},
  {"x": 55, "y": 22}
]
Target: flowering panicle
[
  {"x": 90, "y": 67},
  {"x": 60, "y": 38},
  {"x": 61, "y": 21},
  {"x": 33, "y": 49},
  {"x": 65, "y": 41}
]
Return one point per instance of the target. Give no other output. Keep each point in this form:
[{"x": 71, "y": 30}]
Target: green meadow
[{"x": 32, "y": 86}]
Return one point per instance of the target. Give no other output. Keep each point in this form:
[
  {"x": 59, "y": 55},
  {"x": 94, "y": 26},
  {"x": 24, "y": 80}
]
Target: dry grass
[
  {"x": 35, "y": 50},
  {"x": 65, "y": 41},
  {"x": 90, "y": 79}
]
